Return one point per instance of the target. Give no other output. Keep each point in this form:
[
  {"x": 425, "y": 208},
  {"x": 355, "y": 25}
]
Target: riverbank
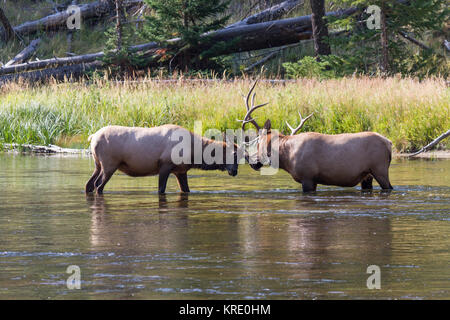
[
  {"x": 408, "y": 112},
  {"x": 437, "y": 154},
  {"x": 56, "y": 150}
]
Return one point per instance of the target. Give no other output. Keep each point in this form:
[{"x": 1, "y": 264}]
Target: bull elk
[
  {"x": 140, "y": 152},
  {"x": 313, "y": 158}
]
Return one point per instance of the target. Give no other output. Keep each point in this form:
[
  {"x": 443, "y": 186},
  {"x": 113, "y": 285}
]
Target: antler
[
  {"x": 294, "y": 131},
  {"x": 251, "y": 108}
]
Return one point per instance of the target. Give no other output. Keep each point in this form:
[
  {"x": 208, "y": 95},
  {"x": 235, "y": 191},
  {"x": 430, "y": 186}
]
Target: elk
[
  {"x": 140, "y": 152},
  {"x": 313, "y": 158}
]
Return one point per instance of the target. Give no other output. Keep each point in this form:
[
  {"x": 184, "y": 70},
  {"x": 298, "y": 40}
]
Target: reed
[{"x": 409, "y": 112}]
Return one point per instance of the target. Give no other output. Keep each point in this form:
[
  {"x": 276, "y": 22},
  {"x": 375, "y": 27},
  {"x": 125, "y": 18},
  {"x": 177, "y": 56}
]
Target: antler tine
[
  {"x": 251, "y": 108},
  {"x": 249, "y": 93},
  {"x": 247, "y": 118},
  {"x": 302, "y": 122},
  {"x": 253, "y": 99}
]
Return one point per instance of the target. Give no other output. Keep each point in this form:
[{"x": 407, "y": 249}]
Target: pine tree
[
  {"x": 185, "y": 19},
  {"x": 384, "y": 48},
  {"x": 121, "y": 60}
]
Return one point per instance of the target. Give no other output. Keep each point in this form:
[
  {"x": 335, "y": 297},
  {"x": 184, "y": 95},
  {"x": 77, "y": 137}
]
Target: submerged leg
[
  {"x": 182, "y": 182},
  {"x": 309, "y": 186},
  {"x": 90, "y": 186},
  {"x": 164, "y": 173},
  {"x": 103, "y": 179},
  {"x": 366, "y": 183},
  {"x": 382, "y": 177}
]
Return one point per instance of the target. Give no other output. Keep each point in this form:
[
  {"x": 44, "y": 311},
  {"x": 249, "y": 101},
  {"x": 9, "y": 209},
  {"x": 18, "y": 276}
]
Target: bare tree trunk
[
  {"x": 70, "y": 35},
  {"x": 9, "y": 31},
  {"x": 119, "y": 24},
  {"x": 319, "y": 28},
  {"x": 384, "y": 66}
]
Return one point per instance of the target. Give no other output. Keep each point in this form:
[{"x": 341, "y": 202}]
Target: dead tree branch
[
  {"x": 25, "y": 54},
  {"x": 432, "y": 143}
]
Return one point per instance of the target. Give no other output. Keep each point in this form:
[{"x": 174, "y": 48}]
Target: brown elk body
[
  {"x": 313, "y": 158},
  {"x": 341, "y": 160},
  {"x": 140, "y": 152}
]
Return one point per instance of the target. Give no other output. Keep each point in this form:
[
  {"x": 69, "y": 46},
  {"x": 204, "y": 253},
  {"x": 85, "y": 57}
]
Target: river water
[{"x": 244, "y": 237}]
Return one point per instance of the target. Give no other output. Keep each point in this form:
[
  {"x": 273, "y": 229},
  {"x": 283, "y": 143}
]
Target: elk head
[
  {"x": 231, "y": 166},
  {"x": 253, "y": 159},
  {"x": 264, "y": 136}
]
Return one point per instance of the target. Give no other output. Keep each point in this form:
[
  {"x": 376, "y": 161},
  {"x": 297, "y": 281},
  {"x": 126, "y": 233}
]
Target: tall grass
[{"x": 408, "y": 112}]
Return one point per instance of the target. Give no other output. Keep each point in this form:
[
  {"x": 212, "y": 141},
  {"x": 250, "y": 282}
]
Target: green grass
[{"x": 408, "y": 112}]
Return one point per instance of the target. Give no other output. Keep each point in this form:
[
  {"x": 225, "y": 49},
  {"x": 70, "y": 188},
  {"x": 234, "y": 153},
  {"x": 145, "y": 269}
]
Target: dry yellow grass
[{"x": 409, "y": 112}]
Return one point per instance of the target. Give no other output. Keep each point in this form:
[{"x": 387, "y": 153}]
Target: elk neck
[
  {"x": 213, "y": 166},
  {"x": 283, "y": 151}
]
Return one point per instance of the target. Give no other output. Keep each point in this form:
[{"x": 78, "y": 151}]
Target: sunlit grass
[{"x": 408, "y": 112}]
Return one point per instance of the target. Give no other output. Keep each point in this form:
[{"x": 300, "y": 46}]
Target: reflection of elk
[
  {"x": 163, "y": 227},
  {"x": 142, "y": 152},
  {"x": 314, "y": 158}
]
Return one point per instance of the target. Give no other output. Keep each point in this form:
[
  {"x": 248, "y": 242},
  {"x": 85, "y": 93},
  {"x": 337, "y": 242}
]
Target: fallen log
[
  {"x": 250, "y": 37},
  {"x": 269, "y": 56},
  {"x": 50, "y": 149},
  {"x": 447, "y": 45},
  {"x": 273, "y": 13},
  {"x": 25, "y": 54},
  {"x": 76, "y": 59},
  {"x": 432, "y": 143},
  {"x": 59, "y": 20},
  {"x": 414, "y": 40},
  {"x": 59, "y": 73},
  {"x": 51, "y": 63},
  {"x": 267, "y": 34}
]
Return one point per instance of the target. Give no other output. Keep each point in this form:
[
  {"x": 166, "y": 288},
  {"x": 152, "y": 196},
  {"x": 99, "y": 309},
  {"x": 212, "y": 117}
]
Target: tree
[
  {"x": 187, "y": 20},
  {"x": 118, "y": 55},
  {"x": 384, "y": 47},
  {"x": 319, "y": 28},
  {"x": 9, "y": 31},
  {"x": 119, "y": 14}
]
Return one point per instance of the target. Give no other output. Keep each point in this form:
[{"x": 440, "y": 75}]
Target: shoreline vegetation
[
  {"x": 53, "y": 150},
  {"x": 409, "y": 112}
]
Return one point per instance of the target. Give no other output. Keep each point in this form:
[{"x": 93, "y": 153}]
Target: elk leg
[
  {"x": 90, "y": 186},
  {"x": 104, "y": 178},
  {"x": 383, "y": 179},
  {"x": 309, "y": 186},
  {"x": 182, "y": 182},
  {"x": 366, "y": 183},
  {"x": 98, "y": 181},
  {"x": 164, "y": 173}
]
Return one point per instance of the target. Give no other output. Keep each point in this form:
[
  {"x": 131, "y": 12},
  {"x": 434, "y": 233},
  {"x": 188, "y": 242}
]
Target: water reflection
[
  {"x": 245, "y": 248},
  {"x": 258, "y": 238}
]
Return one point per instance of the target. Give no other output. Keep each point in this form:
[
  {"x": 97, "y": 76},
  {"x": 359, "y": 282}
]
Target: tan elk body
[
  {"x": 341, "y": 160},
  {"x": 140, "y": 152},
  {"x": 313, "y": 158}
]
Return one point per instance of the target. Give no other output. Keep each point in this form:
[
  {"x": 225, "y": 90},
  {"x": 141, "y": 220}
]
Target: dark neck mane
[{"x": 203, "y": 166}]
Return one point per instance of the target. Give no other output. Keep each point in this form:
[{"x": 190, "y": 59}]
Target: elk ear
[{"x": 267, "y": 125}]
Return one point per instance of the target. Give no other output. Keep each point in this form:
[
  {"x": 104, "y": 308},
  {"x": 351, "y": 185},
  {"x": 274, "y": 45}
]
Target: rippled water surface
[{"x": 244, "y": 237}]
